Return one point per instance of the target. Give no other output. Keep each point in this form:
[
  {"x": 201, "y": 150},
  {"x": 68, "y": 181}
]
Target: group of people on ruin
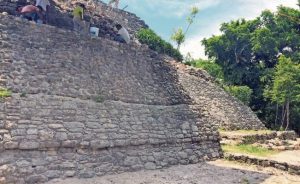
[{"x": 39, "y": 13}]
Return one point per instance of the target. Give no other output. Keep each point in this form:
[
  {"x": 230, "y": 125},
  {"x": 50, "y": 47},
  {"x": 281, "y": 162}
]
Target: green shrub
[
  {"x": 243, "y": 93},
  {"x": 150, "y": 38},
  {"x": 4, "y": 93},
  {"x": 211, "y": 67}
]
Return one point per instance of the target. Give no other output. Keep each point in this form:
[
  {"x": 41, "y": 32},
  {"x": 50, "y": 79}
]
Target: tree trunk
[
  {"x": 282, "y": 117},
  {"x": 276, "y": 118},
  {"x": 287, "y": 115},
  {"x": 187, "y": 29}
]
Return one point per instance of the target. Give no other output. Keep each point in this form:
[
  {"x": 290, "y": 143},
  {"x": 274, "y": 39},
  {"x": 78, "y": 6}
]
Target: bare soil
[
  {"x": 292, "y": 157},
  {"x": 216, "y": 172}
]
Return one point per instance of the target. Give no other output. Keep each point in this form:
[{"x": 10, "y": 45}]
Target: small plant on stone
[
  {"x": 23, "y": 94},
  {"x": 99, "y": 99},
  {"x": 245, "y": 181},
  {"x": 4, "y": 93}
]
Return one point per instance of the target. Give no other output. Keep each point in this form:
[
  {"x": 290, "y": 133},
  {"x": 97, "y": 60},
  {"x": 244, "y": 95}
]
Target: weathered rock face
[
  {"x": 228, "y": 112},
  {"x": 83, "y": 107}
]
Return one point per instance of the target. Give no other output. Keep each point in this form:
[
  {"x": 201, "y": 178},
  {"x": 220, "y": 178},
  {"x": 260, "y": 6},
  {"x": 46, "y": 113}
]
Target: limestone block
[
  {"x": 11, "y": 145},
  {"x": 36, "y": 179},
  {"x": 28, "y": 145},
  {"x": 150, "y": 166}
]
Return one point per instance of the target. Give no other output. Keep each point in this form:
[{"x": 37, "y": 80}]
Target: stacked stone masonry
[
  {"x": 227, "y": 111},
  {"x": 290, "y": 168},
  {"x": 84, "y": 107}
]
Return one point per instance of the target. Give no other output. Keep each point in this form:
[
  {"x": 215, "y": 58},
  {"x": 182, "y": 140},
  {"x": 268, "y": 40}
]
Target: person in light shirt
[
  {"x": 44, "y": 4},
  {"x": 122, "y": 34},
  {"x": 116, "y": 2}
]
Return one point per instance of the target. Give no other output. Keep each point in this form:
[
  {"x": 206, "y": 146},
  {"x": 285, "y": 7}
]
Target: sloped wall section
[
  {"x": 84, "y": 107},
  {"x": 227, "y": 111}
]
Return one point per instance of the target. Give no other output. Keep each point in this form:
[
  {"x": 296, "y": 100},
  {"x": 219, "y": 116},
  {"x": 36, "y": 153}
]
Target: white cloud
[{"x": 171, "y": 8}]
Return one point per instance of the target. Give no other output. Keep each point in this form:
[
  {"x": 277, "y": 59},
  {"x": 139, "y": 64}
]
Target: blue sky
[{"x": 163, "y": 16}]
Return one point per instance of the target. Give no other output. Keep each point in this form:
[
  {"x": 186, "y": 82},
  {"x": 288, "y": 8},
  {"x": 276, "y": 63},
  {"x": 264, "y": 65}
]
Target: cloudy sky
[{"x": 163, "y": 16}]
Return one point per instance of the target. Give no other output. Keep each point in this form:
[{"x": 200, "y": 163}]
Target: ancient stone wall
[
  {"x": 85, "y": 106},
  {"x": 227, "y": 111}
]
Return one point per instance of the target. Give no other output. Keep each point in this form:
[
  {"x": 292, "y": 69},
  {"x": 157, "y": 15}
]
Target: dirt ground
[
  {"x": 292, "y": 157},
  {"x": 216, "y": 172}
]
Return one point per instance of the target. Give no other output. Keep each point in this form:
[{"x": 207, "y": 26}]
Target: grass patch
[
  {"x": 4, "y": 93},
  {"x": 249, "y": 149}
]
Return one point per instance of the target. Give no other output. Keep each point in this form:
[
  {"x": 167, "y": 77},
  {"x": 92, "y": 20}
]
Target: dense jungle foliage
[{"x": 264, "y": 55}]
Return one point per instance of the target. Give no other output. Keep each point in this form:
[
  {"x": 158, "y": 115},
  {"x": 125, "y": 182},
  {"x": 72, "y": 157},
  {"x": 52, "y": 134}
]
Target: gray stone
[
  {"x": 11, "y": 145},
  {"x": 69, "y": 143},
  {"x": 69, "y": 173},
  {"x": 86, "y": 174},
  {"x": 53, "y": 174},
  {"x": 131, "y": 161},
  {"x": 28, "y": 145},
  {"x": 36, "y": 179},
  {"x": 61, "y": 136},
  {"x": 150, "y": 166},
  {"x": 55, "y": 126},
  {"x": 67, "y": 165},
  {"x": 100, "y": 144},
  {"x": 32, "y": 131},
  {"x": 183, "y": 155}
]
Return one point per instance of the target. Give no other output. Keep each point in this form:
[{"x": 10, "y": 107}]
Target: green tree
[
  {"x": 248, "y": 50},
  {"x": 191, "y": 17},
  {"x": 286, "y": 87},
  {"x": 178, "y": 35},
  {"x": 243, "y": 93},
  {"x": 210, "y": 66}
]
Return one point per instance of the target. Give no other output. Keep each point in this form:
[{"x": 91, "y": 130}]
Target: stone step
[
  {"x": 236, "y": 137},
  {"x": 265, "y": 162},
  {"x": 280, "y": 145}
]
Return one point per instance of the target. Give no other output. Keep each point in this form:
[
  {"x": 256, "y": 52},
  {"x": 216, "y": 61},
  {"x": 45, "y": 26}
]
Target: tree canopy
[{"x": 262, "y": 54}]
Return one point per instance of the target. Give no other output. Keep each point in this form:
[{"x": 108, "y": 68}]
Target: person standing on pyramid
[
  {"x": 116, "y": 2},
  {"x": 45, "y": 5},
  {"x": 78, "y": 21}
]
